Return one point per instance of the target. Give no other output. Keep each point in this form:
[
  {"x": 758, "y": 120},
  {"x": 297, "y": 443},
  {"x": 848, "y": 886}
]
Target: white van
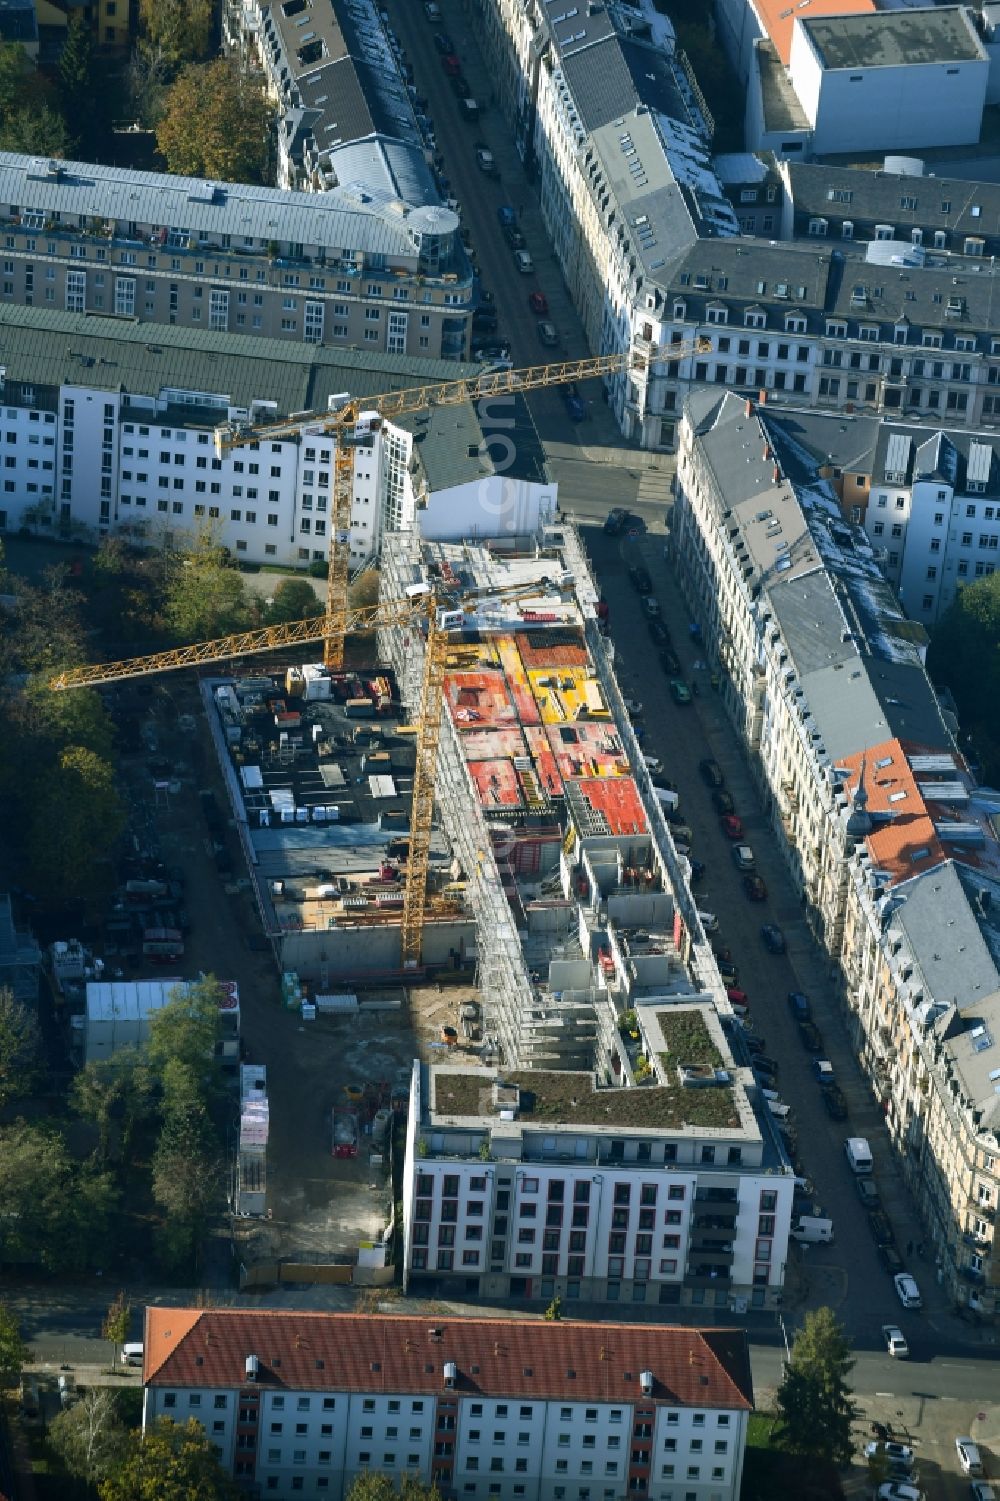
[
  {"x": 810, "y": 1229},
  {"x": 709, "y": 921},
  {"x": 132, "y": 1354},
  {"x": 859, "y": 1155},
  {"x": 668, "y": 799}
]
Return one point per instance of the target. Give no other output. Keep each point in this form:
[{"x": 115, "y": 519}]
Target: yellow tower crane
[
  {"x": 440, "y": 614},
  {"x": 345, "y": 424}
]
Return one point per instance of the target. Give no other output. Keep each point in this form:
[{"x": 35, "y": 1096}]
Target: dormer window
[
  {"x": 973, "y": 245},
  {"x": 795, "y": 324},
  {"x": 818, "y": 228},
  {"x": 680, "y": 311},
  {"x": 754, "y": 318},
  {"x": 716, "y": 313},
  {"x": 884, "y": 232},
  {"x": 835, "y": 329}
]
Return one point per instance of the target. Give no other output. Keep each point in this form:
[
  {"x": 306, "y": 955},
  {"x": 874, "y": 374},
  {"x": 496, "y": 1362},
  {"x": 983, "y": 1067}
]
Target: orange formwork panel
[{"x": 618, "y": 800}]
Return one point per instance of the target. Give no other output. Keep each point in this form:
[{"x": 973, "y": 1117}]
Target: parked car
[
  {"x": 738, "y": 997},
  {"x": 823, "y": 1072},
  {"x": 711, "y": 772},
  {"x": 658, "y": 633},
  {"x": 654, "y": 764},
  {"x": 810, "y": 1037},
  {"x": 968, "y": 1456},
  {"x": 890, "y": 1259},
  {"x": 698, "y": 869},
  {"x": 981, "y": 1490},
  {"x": 743, "y": 857},
  {"x": 640, "y": 579},
  {"x": 615, "y": 521},
  {"x": 732, "y": 826},
  {"x": 515, "y": 239},
  {"x": 679, "y": 691},
  {"x": 835, "y": 1103},
  {"x": 432, "y": 10},
  {"x": 669, "y": 662},
  {"x": 548, "y": 333},
  {"x": 452, "y": 65},
  {"x": 633, "y": 708},
  {"x": 506, "y": 215},
  {"x": 799, "y": 1005},
  {"x": 754, "y": 888},
  {"x": 728, "y": 971},
  {"x": 765, "y": 1065},
  {"x": 895, "y": 1453},
  {"x": 867, "y": 1192},
  {"x": 880, "y": 1228},
  {"x": 895, "y": 1342},
  {"x": 485, "y": 161},
  {"x": 651, "y": 607},
  {"x": 722, "y": 801},
  {"x": 899, "y": 1490},
  {"x": 908, "y": 1293},
  {"x": 575, "y": 405},
  {"x": 444, "y": 43},
  {"x": 523, "y": 262},
  {"x": 538, "y": 303},
  {"x": 772, "y": 938}
]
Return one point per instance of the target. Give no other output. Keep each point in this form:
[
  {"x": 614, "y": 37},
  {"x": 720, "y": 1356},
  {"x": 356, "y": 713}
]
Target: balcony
[
  {"x": 706, "y": 1276},
  {"x": 713, "y": 1243},
  {"x": 716, "y": 1196},
  {"x": 713, "y": 1222}
]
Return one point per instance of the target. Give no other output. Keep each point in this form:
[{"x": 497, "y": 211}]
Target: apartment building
[
  {"x": 355, "y": 268},
  {"x": 345, "y": 97},
  {"x": 305, "y": 1403},
  {"x": 106, "y": 432},
  {"x": 926, "y": 497},
  {"x": 877, "y": 816},
  {"x": 655, "y": 254}
]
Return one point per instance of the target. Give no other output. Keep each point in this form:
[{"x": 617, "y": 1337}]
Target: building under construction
[{"x": 545, "y": 799}]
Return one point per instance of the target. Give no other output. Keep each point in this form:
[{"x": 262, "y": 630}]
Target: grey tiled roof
[
  {"x": 44, "y": 348},
  {"x": 939, "y": 202}
]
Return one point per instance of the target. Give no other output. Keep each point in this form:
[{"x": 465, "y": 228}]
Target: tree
[
  {"x": 74, "y": 825},
  {"x": 76, "y": 79},
  {"x": 294, "y": 599},
  {"x": 168, "y": 1462},
  {"x": 178, "y": 31},
  {"x": 116, "y": 1323},
  {"x": 216, "y": 123},
  {"x": 52, "y": 1210},
  {"x": 203, "y": 594},
  {"x": 20, "y": 1048},
  {"x": 374, "y": 1486},
  {"x": 964, "y": 656},
  {"x": 814, "y": 1399},
  {"x": 89, "y": 1436},
  {"x": 38, "y": 131},
  {"x": 14, "y": 1353},
  {"x": 184, "y": 1031}
]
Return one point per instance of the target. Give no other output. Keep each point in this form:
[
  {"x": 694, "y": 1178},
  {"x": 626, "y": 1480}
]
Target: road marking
[{"x": 886, "y": 1394}]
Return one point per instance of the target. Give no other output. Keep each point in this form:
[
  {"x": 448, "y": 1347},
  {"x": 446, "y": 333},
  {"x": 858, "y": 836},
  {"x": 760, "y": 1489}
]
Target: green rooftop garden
[
  {"x": 571, "y": 1099},
  {"x": 688, "y": 1040}
]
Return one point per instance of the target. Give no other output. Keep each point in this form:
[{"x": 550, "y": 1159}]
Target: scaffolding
[{"x": 508, "y": 995}]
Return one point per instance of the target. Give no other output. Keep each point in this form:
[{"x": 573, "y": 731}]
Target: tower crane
[
  {"x": 441, "y": 613},
  {"x": 345, "y": 423}
]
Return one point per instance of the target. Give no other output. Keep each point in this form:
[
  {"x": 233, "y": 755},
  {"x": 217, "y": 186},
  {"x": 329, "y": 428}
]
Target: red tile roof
[{"x": 497, "y": 1357}]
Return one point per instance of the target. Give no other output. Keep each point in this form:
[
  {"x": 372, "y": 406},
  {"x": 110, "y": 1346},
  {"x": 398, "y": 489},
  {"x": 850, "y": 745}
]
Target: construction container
[{"x": 345, "y": 1133}]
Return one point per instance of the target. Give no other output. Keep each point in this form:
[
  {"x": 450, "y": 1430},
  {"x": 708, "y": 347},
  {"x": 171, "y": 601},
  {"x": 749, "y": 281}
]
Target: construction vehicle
[
  {"x": 356, "y": 420},
  {"x": 440, "y": 614}
]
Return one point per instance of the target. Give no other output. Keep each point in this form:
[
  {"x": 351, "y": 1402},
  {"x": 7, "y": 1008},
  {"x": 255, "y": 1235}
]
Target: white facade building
[
  {"x": 891, "y": 80},
  {"x": 521, "y": 1410},
  {"x": 124, "y": 444}
]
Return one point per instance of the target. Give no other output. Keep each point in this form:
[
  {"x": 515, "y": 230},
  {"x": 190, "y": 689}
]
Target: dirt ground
[{"x": 319, "y": 1207}]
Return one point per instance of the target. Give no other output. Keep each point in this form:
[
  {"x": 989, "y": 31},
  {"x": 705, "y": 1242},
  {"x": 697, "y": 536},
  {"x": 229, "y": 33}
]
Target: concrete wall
[{"x": 737, "y": 27}]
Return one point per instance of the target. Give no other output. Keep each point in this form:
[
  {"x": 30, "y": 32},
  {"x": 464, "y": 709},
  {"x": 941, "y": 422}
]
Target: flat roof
[
  {"x": 891, "y": 39},
  {"x": 778, "y": 17}
]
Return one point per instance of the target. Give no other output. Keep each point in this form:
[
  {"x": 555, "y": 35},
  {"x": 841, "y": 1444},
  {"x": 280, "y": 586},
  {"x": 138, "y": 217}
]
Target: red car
[
  {"x": 738, "y": 997},
  {"x": 754, "y": 888},
  {"x": 732, "y": 827},
  {"x": 451, "y": 65},
  {"x": 538, "y": 303}
]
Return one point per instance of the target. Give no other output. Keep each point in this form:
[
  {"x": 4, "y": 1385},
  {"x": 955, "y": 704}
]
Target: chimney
[
  {"x": 748, "y": 408},
  {"x": 646, "y": 1383},
  {"x": 762, "y": 396},
  {"x": 776, "y": 475},
  {"x": 767, "y": 452},
  {"x": 450, "y": 1373},
  {"x": 252, "y": 1367}
]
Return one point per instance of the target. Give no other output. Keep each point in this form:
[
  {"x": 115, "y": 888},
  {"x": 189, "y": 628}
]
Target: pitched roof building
[{"x": 482, "y": 1407}]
